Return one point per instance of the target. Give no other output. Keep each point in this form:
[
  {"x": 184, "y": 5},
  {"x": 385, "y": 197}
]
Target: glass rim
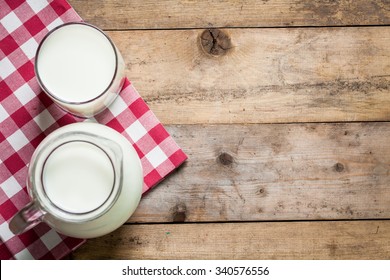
[
  {"x": 112, "y": 192},
  {"x": 50, "y": 93}
]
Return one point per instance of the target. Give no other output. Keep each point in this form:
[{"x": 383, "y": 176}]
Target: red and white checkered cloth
[{"x": 27, "y": 115}]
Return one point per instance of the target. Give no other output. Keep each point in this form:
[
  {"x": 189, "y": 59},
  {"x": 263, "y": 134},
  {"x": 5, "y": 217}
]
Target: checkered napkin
[{"x": 27, "y": 115}]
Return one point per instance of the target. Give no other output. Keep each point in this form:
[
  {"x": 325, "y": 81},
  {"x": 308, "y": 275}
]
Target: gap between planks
[
  {"x": 254, "y": 221},
  {"x": 245, "y": 27}
]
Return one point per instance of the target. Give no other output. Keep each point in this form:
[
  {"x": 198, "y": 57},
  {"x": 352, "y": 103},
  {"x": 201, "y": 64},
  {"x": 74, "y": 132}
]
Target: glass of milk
[
  {"x": 80, "y": 68},
  {"x": 84, "y": 179}
]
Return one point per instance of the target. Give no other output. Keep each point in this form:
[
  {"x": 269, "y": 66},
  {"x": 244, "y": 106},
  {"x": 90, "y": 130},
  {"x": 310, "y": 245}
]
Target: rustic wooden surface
[
  {"x": 269, "y": 240},
  {"x": 172, "y": 14},
  {"x": 275, "y": 172},
  {"x": 267, "y": 75},
  {"x": 284, "y": 110}
]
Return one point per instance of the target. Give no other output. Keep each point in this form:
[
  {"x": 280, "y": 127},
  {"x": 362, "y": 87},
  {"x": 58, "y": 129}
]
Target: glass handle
[{"x": 26, "y": 218}]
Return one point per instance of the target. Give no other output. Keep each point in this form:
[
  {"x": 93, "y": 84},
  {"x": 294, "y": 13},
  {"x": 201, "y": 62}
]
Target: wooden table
[{"x": 283, "y": 108}]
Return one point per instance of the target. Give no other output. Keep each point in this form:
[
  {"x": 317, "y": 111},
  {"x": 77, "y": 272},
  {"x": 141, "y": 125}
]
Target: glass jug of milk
[{"x": 85, "y": 180}]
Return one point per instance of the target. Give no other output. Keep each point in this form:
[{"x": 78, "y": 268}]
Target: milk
[
  {"x": 78, "y": 177},
  {"x": 80, "y": 68}
]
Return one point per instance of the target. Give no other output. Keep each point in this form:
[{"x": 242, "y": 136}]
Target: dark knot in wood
[
  {"x": 179, "y": 213},
  {"x": 339, "y": 167},
  {"x": 225, "y": 159},
  {"x": 215, "y": 42}
]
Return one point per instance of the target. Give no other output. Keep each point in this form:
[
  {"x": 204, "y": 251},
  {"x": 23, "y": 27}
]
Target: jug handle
[{"x": 28, "y": 217}]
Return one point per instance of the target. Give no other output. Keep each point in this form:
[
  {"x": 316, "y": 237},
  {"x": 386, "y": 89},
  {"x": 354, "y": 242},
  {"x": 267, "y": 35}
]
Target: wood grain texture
[
  {"x": 216, "y": 90},
  {"x": 298, "y": 240},
  {"x": 275, "y": 172},
  {"x": 149, "y": 14},
  {"x": 267, "y": 76}
]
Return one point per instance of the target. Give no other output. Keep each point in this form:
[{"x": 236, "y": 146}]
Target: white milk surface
[
  {"x": 76, "y": 63},
  {"x": 78, "y": 177}
]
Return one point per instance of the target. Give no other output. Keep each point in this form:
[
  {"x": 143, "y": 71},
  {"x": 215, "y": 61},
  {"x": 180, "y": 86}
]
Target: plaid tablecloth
[{"x": 27, "y": 115}]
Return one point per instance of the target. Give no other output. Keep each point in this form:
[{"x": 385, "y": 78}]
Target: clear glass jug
[{"x": 81, "y": 183}]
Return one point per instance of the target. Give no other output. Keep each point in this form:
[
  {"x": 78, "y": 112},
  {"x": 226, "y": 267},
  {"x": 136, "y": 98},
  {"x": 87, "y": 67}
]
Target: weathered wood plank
[
  {"x": 275, "y": 172},
  {"x": 266, "y": 75},
  {"x": 279, "y": 240},
  {"x": 149, "y": 14}
]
